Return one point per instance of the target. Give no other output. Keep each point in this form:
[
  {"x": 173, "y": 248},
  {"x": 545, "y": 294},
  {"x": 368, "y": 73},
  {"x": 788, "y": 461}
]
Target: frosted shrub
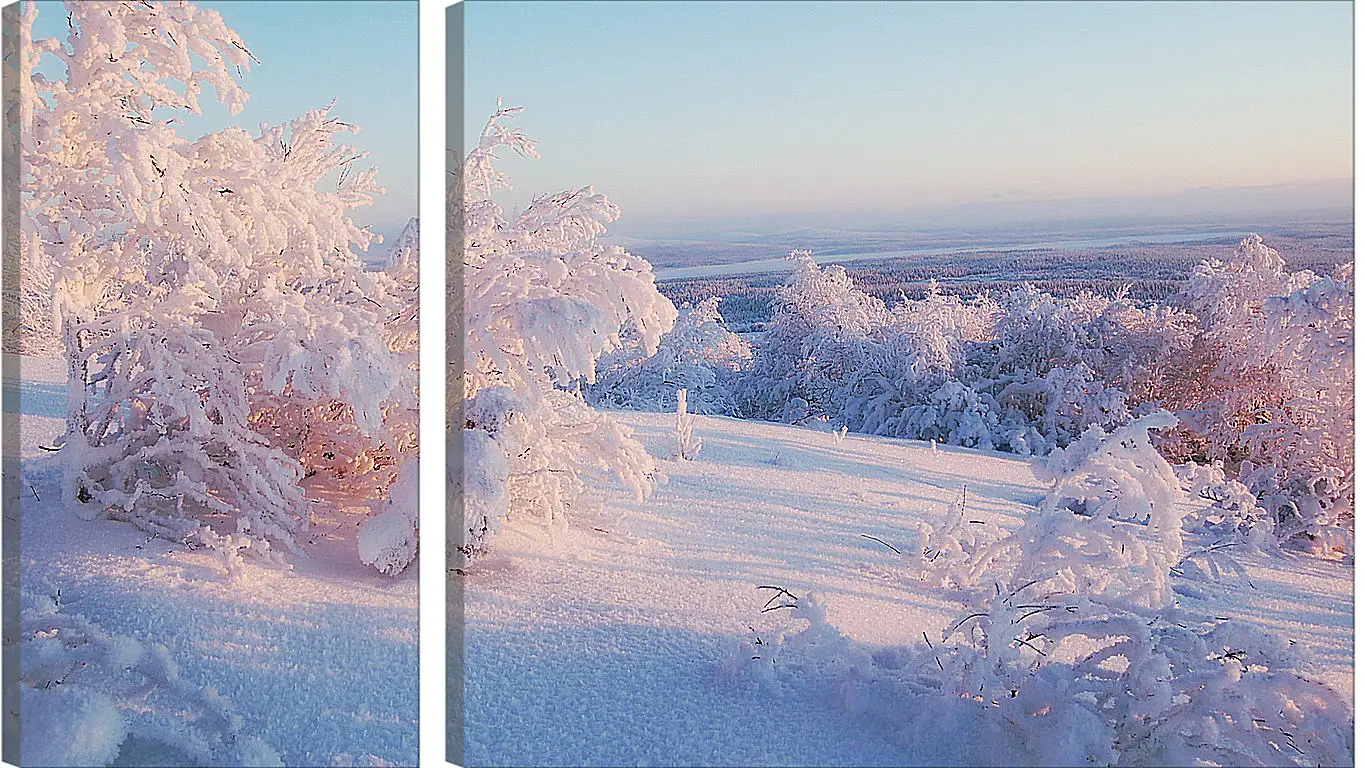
[
  {"x": 1109, "y": 528},
  {"x": 1154, "y": 692},
  {"x": 543, "y": 302},
  {"x": 167, "y": 445},
  {"x": 1040, "y": 372},
  {"x": 1026, "y": 374},
  {"x": 388, "y": 541},
  {"x": 896, "y": 372},
  {"x": 699, "y": 354},
  {"x": 84, "y": 694},
  {"x": 950, "y": 550},
  {"x": 688, "y": 444},
  {"x": 959, "y": 415},
  {"x": 1232, "y": 512},
  {"x": 1311, "y": 445},
  {"x": 1275, "y": 400},
  {"x": 481, "y": 487},
  {"x": 832, "y": 351},
  {"x": 805, "y": 352},
  {"x": 1038, "y": 414},
  {"x": 221, "y": 335}
]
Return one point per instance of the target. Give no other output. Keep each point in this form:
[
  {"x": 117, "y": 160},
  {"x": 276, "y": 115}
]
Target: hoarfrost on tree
[
  {"x": 222, "y": 338},
  {"x": 1275, "y": 399},
  {"x": 699, "y": 354},
  {"x": 543, "y": 301}
]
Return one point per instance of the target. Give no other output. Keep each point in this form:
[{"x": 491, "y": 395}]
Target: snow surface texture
[
  {"x": 319, "y": 663},
  {"x": 621, "y": 644}
]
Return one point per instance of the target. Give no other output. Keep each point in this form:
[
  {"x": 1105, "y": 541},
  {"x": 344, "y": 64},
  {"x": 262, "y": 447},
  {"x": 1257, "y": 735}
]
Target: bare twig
[{"x": 879, "y": 541}]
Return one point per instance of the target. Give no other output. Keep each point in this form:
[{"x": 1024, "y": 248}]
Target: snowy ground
[
  {"x": 608, "y": 644},
  {"x": 320, "y": 662}
]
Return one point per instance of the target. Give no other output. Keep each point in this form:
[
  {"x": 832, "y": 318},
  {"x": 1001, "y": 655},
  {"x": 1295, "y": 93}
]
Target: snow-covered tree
[
  {"x": 389, "y": 540},
  {"x": 803, "y": 356},
  {"x": 1039, "y": 372},
  {"x": 895, "y": 371},
  {"x": 1026, "y": 374},
  {"x": 221, "y": 335},
  {"x": 1276, "y": 398},
  {"x": 543, "y": 301},
  {"x": 699, "y": 354}
]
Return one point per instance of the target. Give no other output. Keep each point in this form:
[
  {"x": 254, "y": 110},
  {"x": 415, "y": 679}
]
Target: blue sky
[
  {"x": 363, "y": 53},
  {"x": 689, "y": 110}
]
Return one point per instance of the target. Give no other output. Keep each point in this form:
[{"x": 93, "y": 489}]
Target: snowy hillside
[
  {"x": 628, "y": 638},
  {"x": 319, "y": 663}
]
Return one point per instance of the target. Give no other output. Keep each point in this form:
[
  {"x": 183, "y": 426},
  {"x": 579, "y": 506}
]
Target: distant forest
[{"x": 1150, "y": 272}]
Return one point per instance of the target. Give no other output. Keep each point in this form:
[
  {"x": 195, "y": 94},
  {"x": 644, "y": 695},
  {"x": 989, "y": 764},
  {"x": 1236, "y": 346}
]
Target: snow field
[
  {"x": 620, "y": 640},
  {"x": 320, "y": 661}
]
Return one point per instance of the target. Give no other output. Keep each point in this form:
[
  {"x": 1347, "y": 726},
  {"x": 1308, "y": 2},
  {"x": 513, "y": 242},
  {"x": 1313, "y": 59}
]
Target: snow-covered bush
[
  {"x": 804, "y": 354},
  {"x": 1274, "y": 397},
  {"x": 1135, "y": 690},
  {"x": 832, "y": 351},
  {"x": 1109, "y": 527},
  {"x": 688, "y": 444},
  {"x": 898, "y": 376},
  {"x": 1041, "y": 372},
  {"x": 950, "y": 550},
  {"x": 1307, "y": 451},
  {"x": 388, "y": 541},
  {"x": 1026, "y": 374},
  {"x": 222, "y": 337},
  {"x": 699, "y": 354},
  {"x": 543, "y": 301},
  {"x": 84, "y": 694},
  {"x": 166, "y": 443},
  {"x": 1233, "y": 512}
]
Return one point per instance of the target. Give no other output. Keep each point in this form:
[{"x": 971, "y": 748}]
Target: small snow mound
[
  {"x": 69, "y": 726},
  {"x": 388, "y": 541}
]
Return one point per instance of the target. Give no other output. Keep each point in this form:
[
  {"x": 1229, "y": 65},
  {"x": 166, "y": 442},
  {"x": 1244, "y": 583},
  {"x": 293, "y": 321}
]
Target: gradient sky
[
  {"x": 690, "y": 109},
  {"x": 363, "y": 53}
]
